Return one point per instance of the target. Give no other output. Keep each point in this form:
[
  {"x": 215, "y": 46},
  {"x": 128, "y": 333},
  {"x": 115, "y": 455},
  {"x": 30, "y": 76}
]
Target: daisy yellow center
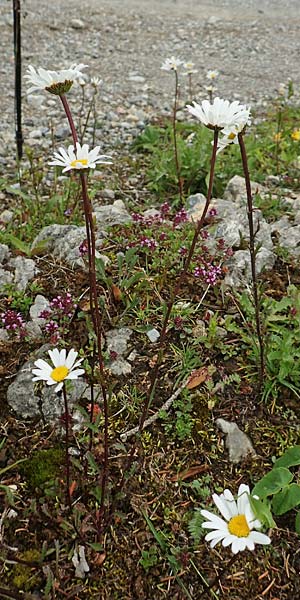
[
  {"x": 79, "y": 161},
  {"x": 60, "y": 373},
  {"x": 232, "y": 136},
  {"x": 238, "y": 526},
  {"x": 296, "y": 135}
]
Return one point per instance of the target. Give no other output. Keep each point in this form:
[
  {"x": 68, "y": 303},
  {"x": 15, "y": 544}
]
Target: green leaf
[
  {"x": 287, "y": 499},
  {"x": 18, "y": 244},
  {"x": 262, "y": 512},
  {"x": 96, "y": 546},
  {"x": 289, "y": 459},
  {"x": 272, "y": 482},
  {"x": 158, "y": 535}
]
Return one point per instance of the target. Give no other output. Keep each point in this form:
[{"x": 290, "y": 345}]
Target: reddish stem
[
  {"x": 94, "y": 304},
  {"x": 252, "y": 257}
]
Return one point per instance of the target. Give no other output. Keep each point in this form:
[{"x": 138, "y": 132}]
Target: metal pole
[{"x": 18, "y": 98}]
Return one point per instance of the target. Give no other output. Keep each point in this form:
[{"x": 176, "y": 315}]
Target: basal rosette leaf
[
  {"x": 287, "y": 499},
  {"x": 272, "y": 482}
]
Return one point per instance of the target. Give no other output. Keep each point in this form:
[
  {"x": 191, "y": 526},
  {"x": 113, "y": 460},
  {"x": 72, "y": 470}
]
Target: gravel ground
[{"x": 255, "y": 45}]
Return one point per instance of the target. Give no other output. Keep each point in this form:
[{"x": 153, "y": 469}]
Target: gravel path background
[{"x": 255, "y": 44}]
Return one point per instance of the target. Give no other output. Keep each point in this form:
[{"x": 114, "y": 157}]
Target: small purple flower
[
  {"x": 137, "y": 218},
  {"x": 178, "y": 323},
  {"x": 83, "y": 248},
  {"x": 212, "y": 212},
  {"x": 162, "y": 236},
  {"x": 208, "y": 273},
  {"x": 183, "y": 251},
  {"x": 63, "y": 304},
  {"x": 51, "y": 327},
  {"x": 45, "y": 314},
  {"x": 180, "y": 217},
  {"x": 13, "y": 321},
  {"x": 165, "y": 209},
  {"x": 150, "y": 243}
]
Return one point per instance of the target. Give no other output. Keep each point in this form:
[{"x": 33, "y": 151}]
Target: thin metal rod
[{"x": 18, "y": 77}]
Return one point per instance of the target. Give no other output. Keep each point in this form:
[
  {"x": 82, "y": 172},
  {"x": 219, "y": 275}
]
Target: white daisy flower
[
  {"x": 171, "y": 64},
  {"x": 229, "y": 136},
  {"x": 212, "y": 75},
  {"x": 83, "y": 158},
  {"x": 64, "y": 367},
  {"x": 55, "y": 82},
  {"x": 96, "y": 81},
  {"x": 189, "y": 67},
  {"x": 221, "y": 113},
  {"x": 237, "y": 527}
]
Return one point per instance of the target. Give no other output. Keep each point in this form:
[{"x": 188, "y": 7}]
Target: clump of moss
[
  {"x": 25, "y": 578},
  {"x": 42, "y": 467}
]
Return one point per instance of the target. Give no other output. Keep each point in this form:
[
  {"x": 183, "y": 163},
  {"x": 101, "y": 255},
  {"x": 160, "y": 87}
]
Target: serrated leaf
[
  {"x": 289, "y": 459},
  {"x": 262, "y": 512},
  {"x": 287, "y": 499},
  {"x": 272, "y": 482}
]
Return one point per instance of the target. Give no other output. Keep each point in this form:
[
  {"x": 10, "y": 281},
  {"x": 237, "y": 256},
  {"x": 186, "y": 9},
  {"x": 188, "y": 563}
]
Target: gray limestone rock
[
  {"x": 31, "y": 400},
  {"x": 24, "y": 270},
  {"x": 231, "y": 222},
  {"x": 112, "y": 214},
  {"x": 6, "y": 216},
  {"x": 63, "y": 242},
  {"x": 289, "y": 238},
  {"x": 236, "y": 190},
  {"x": 117, "y": 342},
  {"x": 40, "y": 303},
  {"x": 239, "y": 266},
  {"x": 5, "y": 278},
  {"x": 237, "y": 442},
  {"x": 4, "y": 253}
]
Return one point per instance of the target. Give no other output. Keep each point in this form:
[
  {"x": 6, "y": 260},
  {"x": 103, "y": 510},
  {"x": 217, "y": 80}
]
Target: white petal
[
  {"x": 213, "y": 535},
  {"x": 259, "y": 538},
  {"x": 216, "y": 540},
  {"x": 75, "y": 374},
  {"x": 55, "y": 357},
  {"x": 238, "y": 545},
  {"x": 249, "y": 543},
  {"x": 59, "y": 386},
  {"x": 231, "y": 503},
  {"x": 69, "y": 361},
  {"x": 214, "y": 522},
  {"x": 229, "y": 540},
  {"x": 43, "y": 365},
  {"x": 243, "y": 501},
  {"x": 223, "y": 506}
]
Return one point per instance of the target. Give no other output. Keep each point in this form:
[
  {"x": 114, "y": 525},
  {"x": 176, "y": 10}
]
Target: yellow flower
[
  {"x": 295, "y": 135},
  {"x": 277, "y": 137}
]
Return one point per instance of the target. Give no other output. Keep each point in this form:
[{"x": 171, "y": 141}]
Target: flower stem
[
  {"x": 94, "y": 306},
  {"x": 67, "y": 419},
  {"x": 186, "y": 265},
  {"x": 253, "y": 258},
  {"x": 70, "y": 118},
  {"x": 177, "y": 166}
]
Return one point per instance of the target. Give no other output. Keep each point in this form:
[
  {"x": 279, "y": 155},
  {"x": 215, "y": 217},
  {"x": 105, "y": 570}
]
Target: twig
[
  {"x": 7, "y": 594},
  {"x": 127, "y": 434}
]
